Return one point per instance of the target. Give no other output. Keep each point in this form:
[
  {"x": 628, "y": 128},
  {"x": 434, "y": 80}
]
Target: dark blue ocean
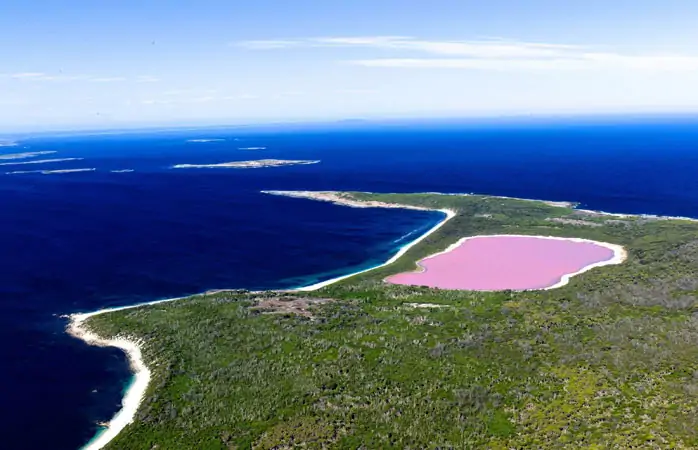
[{"x": 82, "y": 241}]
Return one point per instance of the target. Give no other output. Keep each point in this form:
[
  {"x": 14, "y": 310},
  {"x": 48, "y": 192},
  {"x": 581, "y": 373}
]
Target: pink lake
[{"x": 493, "y": 263}]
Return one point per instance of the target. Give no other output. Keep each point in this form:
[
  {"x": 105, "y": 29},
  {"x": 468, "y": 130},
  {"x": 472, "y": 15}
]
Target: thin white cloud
[
  {"x": 607, "y": 62},
  {"x": 475, "y": 49},
  {"x": 240, "y": 97},
  {"x": 147, "y": 79},
  {"x": 176, "y": 100},
  {"x": 106, "y": 79},
  {"x": 493, "y": 54},
  {"x": 40, "y": 76},
  {"x": 205, "y": 99},
  {"x": 178, "y": 92},
  {"x": 267, "y": 44},
  {"x": 478, "y": 48},
  {"x": 358, "y": 91},
  {"x": 27, "y": 75},
  {"x": 61, "y": 77},
  {"x": 379, "y": 41}
]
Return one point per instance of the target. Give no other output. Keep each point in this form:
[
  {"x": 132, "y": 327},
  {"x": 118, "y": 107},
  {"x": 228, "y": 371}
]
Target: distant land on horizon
[{"x": 503, "y": 119}]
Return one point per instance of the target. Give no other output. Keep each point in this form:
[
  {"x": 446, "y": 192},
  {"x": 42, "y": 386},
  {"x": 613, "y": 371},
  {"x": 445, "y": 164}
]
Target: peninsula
[
  {"x": 254, "y": 164},
  {"x": 604, "y": 358}
]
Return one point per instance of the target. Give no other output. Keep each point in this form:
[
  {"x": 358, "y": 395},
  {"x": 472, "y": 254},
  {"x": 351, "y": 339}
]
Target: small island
[
  {"x": 7, "y": 143},
  {"x": 24, "y": 155},
  {"x": 39, "y": 161},
  {"x": 49, "y": 172},
  {"x": 607, "y": 359},
  {"x": 254, "y": 164}
]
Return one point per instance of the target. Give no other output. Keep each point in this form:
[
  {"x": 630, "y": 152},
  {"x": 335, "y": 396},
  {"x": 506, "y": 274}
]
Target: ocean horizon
[{"x": 133, "y": 229}]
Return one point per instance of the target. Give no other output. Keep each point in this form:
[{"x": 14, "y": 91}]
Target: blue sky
[{"x": 78, "y": 63}]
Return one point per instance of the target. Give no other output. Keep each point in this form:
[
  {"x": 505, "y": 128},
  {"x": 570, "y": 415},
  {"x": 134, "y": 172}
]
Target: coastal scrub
[{"x": 609, "y": 360}]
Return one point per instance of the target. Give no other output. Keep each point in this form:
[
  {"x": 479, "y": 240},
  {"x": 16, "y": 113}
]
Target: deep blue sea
[{"x": 83, "y": 241}]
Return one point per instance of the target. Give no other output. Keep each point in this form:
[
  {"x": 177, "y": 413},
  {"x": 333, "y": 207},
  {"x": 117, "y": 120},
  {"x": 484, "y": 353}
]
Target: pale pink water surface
[{"x": 492, "y": 263}]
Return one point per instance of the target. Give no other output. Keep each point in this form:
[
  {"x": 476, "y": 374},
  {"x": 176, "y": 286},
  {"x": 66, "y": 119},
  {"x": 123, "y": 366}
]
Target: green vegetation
[{"x": 608, "y": 361}]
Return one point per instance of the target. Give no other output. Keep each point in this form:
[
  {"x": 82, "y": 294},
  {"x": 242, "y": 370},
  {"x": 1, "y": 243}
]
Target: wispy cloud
[
  {"x": 40, "y": 76},
  {"x": 268, "y": 44},
  {"x": 178, "y": 100},
  {"x": 358, "y": 91},
  {"x": 476, "y": 49},
  {"x": 147, "y": 79},
  {"x": 188, "y": 92},
  {"x": 27, "y": 75},
  {"x": 204, "y": 99},
  {"x": 61, "y": 77},
  {"x": 107, "y": 79},
  {"x": 607, "y": 61},
  {"x": 494, "y": 54},
  {"x": 240, "y": 97}
]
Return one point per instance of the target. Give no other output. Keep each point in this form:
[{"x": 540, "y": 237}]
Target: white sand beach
[
  {"x": 132, "y": 347},
  {"x": 141, "y": 374}
]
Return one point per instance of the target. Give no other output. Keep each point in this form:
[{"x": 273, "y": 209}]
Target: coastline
[
  {"x": 404, "y": 249},
  {"x": 336, "y": 198},
  {"x": 592, "y": 212},
  {"x": 620, "y": 255},
  {"x": 141, "y": 374},
  {"x": 132, "y": 347}
]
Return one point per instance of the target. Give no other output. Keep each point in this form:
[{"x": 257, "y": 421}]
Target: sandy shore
[
  {"x": 634, "y": 216},
  {"x": 132, "y": 347},
  {"x": 141, "y": 374},
  {"x": 253, "y": 164},
  {"x": 339, "y": 198},
  {"x": 619, "y": 255},
  {"x": 313, "y": 287}
]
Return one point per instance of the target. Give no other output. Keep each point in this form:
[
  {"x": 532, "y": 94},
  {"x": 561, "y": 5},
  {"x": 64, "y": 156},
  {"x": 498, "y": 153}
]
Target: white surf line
[
  {"x": 634, "y": 216},
  {"x": 449, "y": 215},
  {"x": 136, "y": 392},
  {"x": 132, "y": 347},
  {"x": 620, "y": 255}
]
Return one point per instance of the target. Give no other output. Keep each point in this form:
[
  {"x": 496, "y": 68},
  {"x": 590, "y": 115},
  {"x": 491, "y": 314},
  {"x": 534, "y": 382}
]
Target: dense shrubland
[{"x": 608, "y": 361}]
